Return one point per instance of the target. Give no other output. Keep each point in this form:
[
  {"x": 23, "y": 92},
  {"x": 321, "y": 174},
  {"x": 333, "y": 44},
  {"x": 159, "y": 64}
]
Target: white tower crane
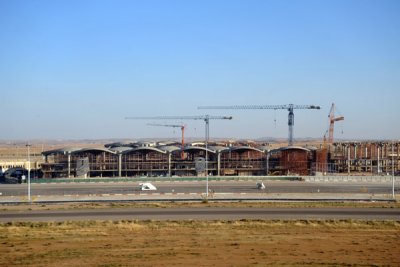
[{"x": 289, "y": 107}]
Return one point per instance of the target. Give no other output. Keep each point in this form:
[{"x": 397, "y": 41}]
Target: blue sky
[{"x": 76, "y": 69}]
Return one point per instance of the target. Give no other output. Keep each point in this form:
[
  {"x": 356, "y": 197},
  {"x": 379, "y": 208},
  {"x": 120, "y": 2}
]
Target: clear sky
[{"x": 75, "y": 69}]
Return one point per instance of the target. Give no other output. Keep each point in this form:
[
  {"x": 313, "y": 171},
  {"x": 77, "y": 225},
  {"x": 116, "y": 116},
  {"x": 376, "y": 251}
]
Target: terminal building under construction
[{"x": 167, "y": 159}]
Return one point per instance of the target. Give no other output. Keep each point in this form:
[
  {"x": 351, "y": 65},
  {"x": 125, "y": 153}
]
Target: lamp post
[
  {"x": 29, "y": 173},
  {"x": 393, "y": 196},
  {"x": 207, "y": 121}
]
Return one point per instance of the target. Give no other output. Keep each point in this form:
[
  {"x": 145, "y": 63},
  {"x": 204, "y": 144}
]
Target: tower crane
[
  {"x": 205, "y": 118},
  {"x": 182, "y": 126},
  {"x": 288, "y": 107},
  {"x": 332, "y": 120}
]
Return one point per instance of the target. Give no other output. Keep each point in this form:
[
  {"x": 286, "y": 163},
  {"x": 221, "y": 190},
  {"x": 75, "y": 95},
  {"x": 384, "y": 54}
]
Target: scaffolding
[
  {"x": 352, "y": 158},
  {"x": 366, "y": 157}
]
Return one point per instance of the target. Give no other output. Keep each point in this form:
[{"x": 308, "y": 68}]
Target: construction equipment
[
  {"x": 205, "y": 118},
  {"x": 332, "y": 120},
  {"x": 289, "y": 107},
  {"x": 182, "y": 126},
  {"x": 326, "y": 144}
]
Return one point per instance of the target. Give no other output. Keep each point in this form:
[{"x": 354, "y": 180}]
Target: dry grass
[
  {"x": 172, "y": 204},
  {"x": 197, "y": 243}
]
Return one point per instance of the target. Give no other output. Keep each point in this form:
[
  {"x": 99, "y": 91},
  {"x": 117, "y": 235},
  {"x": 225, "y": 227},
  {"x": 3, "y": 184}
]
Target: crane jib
[{"x": 288, "y": 107}]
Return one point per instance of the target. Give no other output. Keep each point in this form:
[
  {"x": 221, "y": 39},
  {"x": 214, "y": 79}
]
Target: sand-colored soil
[{"x": 197, "y": 243}]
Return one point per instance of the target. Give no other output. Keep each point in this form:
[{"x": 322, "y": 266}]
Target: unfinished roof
[
  {"x": 144, "y": 148},
  {"x": 74, "y": 150},
  {"x": 292, "y": 148},
  {"x": 64, "y": 150},
  {"x": 188, "y": 148},
  {"x": 243, "y": 148},
  {"x": 94, "y": 149},
  {"x": 120, "y": 149},
  {"x": 218, "y": 148},
  {"x": 122, "y": 144},
  {"x": 170, "y": 149}
]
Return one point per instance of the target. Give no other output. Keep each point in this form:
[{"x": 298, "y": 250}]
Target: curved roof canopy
[
  {"x": 244, "y": 148},
  {"x": 64, "y": 150},
  {"x": 69, "y": 150},
  {"x": 169, "y": 149},
  {"x": 144, "y": 148},
  {"x": 94, "y": 149},
  {"x": 219, "y": 148},
  {"x": 188, "y": 148},
  {"x": 120, "y": 149},
  {"x": 291, "y": 148}
]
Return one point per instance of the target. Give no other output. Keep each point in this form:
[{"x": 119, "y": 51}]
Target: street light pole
[
  {"x": 207, "y": 120},
  {"x": 29, "y": 174},
  {"x": 393, "y": 196}
]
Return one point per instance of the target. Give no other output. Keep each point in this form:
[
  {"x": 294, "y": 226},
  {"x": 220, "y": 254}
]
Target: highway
[
  {"x": 202, "y": 214},
  {"x": 281, "y": 187}
]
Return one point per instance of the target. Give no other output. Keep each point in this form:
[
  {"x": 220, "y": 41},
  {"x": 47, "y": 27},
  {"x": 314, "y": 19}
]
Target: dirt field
[{"x": 195, "y": 243}]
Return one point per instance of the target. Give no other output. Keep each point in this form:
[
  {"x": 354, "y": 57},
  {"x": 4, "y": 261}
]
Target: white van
[{"x": 147, "y": 186}]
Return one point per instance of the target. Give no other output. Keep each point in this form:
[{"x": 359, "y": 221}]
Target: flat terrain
[
  {"x": 199, "y": 243},
  {"x": 241, "y": 242}
]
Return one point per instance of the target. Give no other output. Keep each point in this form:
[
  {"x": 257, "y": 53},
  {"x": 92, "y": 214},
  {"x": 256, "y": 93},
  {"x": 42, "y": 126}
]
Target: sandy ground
[{"x": 194, "y": 243}]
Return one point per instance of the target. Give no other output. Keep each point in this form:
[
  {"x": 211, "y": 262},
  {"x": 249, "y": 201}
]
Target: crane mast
[
  {"x": 332, "y": 120},
  {"x": 288, "y": 107}
]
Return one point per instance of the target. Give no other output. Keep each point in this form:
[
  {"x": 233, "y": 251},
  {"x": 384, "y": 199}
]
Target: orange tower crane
[
  {"x": 182, "y": 126},
  {"x": 332, "y": 120}
]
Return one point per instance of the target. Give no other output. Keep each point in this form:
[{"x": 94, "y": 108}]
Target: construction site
[{"x": 209, "y": 157}]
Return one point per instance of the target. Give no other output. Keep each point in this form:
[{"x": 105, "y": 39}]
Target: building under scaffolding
[
  {"x": 165, "y": 159},
  {"x": 153, "y": 161},
  {"x": 365, "y": 157}
]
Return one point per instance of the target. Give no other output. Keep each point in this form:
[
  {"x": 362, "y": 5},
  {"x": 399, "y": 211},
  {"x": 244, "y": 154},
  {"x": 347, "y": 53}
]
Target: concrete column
[
  {"x": 169, "y": 164},
  {"x": 397, "y": 157},
  {"x": 355, "y": 151},
  {"x": 379, "y": 167},
  {"x": 348, "y": 159},
  {"x": 69, "y": 165},
  {"x": 119, "y": 164},
  {"x": 218, "y": 163}
]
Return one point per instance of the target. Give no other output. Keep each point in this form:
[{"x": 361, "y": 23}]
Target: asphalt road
[
  {"x": 203, "y": 214},
  {"x": 195, "y": 187}
]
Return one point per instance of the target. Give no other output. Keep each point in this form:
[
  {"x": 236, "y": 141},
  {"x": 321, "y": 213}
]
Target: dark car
[{"x": 15, "y": 175}]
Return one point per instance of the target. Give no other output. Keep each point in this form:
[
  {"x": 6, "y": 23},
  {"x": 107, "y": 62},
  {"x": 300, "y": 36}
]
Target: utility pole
[{"x": 393, "y": 196}]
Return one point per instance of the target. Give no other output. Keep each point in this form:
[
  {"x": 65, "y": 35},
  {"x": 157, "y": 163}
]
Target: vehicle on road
[
  {"x": 260, "y": 186},
  {"x": 147, "y": 186}
]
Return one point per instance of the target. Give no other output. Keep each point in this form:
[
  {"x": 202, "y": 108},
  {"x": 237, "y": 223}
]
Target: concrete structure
[{"x": 223, "y": 159}]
